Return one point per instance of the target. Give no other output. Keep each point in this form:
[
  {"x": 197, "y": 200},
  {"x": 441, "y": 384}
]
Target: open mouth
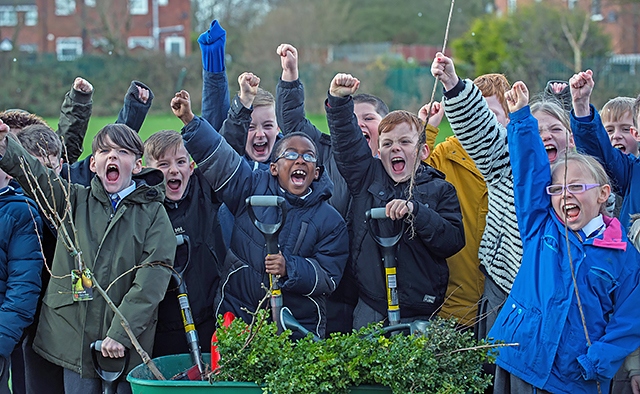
[
  {"x": 367, "y": 137},
  {"x": 260, "y": 148},
  {"x": 174, "y": 185},
  {"x": 113, "y": 173},
  {"x": 298, "y": 177},
  {"x": 397, "y": 164},
  {"x": 571, "y": 212},
  {"x": 620, "y": 147},
  {"x": 552, "y": 153}
]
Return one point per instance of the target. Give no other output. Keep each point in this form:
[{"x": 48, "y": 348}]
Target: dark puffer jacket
[
  {"x": 20, "y": 265},
  {"x": 313, "y": 239},
  {"x": 422, "y": 269}
]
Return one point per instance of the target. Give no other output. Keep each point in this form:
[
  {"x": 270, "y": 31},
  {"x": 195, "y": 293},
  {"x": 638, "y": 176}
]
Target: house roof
[{"x": 17, "y": 2}]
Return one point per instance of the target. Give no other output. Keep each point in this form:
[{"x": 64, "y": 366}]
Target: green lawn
[{"x": 155, "y": 123}]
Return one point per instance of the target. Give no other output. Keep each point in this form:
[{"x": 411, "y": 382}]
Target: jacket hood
[
  {"x": 13, "y": 193},
  {"x": 613, "y": 236},
  {"x": 149, "y": 187}
]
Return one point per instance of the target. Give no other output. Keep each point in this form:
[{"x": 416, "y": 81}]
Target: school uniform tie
[{"x": 114, "y": 201}]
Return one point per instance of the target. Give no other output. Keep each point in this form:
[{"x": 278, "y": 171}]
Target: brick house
[
  {"x": 620, "y": 21},
  {"x": 70, "y": 28}
]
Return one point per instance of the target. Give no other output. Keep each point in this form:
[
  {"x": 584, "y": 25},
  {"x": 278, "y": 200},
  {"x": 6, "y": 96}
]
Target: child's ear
[
  {"x": 192, "y": 165},
  {"x": 273, "y": 168},
  {"x": 137, "y": 166},
  {"x": 319, "y": 170},
  {"x": 424, "y": 152},
  {"x": 92, "y": 164},
  {"x": 634, "y": 133},
  {"x": 605, "y": 191}
]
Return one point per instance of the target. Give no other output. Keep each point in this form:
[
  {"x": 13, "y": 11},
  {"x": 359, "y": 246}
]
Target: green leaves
[{"x": 433, "y": 363}]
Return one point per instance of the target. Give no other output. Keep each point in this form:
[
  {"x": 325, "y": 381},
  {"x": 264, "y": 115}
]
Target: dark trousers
[
  {"x": 4, "y": 375},
  {"x": 74, "y": 384}
]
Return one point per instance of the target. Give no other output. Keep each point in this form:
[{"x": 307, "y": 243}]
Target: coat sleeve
[
  {"x": 290, "y": 110},
  {"x": 321, "y": 273},
  {"x": 606, "y": 354},
  {"x": 215, "y": 97},
  {"x": 229, "y": 175},
  {"x": 478, "y": 131},
  {"x": 236, "y": 126},
  {"x": 74, "y": 120},
  {"x": 134, "y": 111},
  {"x": 150, "y": 283},
  {"x": 350, "y": 149},
  {"x": 24, "y": 265},
  {"x": 531, "y": 175},
  {"x": 591, "y": 138},
  {"x": 440, "y": 227}
]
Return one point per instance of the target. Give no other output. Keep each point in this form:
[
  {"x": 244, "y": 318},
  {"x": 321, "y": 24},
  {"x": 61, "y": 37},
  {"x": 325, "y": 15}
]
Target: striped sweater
[{"x": 485, "y": 140}]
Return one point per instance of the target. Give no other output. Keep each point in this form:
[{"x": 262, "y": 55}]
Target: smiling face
[
  {"x": 177, "y": 167},
  {"x": 399, "y": 152},
  {"x": 115, "y": 166},
  {"x": 368, "y": 120},
  {"x": 554, "y": 135},
  {"x": 262, "y": 133},
  {"x": 295, "y": 176},
  {"x": 622, "y": 134},
  {"x": 578, "y": 209}
]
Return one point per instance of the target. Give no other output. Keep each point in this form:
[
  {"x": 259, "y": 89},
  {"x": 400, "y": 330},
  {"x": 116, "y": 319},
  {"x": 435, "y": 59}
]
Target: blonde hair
[
  {"x": 552, "y": 108},
  {"x": 160, "y": 143},
  {"x": 616, "y": 108},
  {"x": 589, "y": 164}
]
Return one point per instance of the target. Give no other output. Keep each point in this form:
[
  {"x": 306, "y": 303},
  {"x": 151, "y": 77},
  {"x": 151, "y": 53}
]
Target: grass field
[{"x": 154, "y": 123}]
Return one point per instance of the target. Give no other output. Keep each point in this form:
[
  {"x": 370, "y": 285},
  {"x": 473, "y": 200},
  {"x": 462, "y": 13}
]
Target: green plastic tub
[{"x": 143, "y": 382}]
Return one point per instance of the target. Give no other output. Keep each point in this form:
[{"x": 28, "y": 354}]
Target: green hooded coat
[{"x": 138, "y": 233}]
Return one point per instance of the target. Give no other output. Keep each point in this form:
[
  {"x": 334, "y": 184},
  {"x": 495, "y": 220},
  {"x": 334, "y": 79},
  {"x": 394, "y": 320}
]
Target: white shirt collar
[{"x": 594, "y": 225}]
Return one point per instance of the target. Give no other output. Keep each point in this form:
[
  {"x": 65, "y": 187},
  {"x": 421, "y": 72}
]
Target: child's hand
[
  {"x": 635, "y": 384},
  {"x": 398, "y": 209},
  {"x": 112, "y": 348},
  {"x": 437, "y": 113},
  {"x": 558, "y": 87},
  {"x": 289, "y": 61},
  {"x": 581, "y": 87},
  {"x": 442, "y": 68},
  {"x": 181, "y": 106},
  {"x": 275, "y": 264},
  {"x": 143, "y": 94},
  {"x": 82, "y": 85},
  {"x": 517, "y": 97},
  {"x": 248, "y": 88},
  {"x": 343, "y": 85}
]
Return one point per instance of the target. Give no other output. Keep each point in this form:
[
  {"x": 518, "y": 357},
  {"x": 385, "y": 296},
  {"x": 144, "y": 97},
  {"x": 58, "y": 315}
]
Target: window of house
[
  {"x": 511, "y": 6},
  {"x": 68, "y": 48},
  {"x": 174, "y": 46},
  {"x": 30, "y": 15},
  {"x": 65, "y": 7},
  {"x": 8, "y": 16},
  {"x": 571, "y": 4},
  {"x": 143, "y": 42},
  {"x": 139, "y": 7},
  {"x": 90, "y": 3},
  {"x": 163, "y": 2},
  {"x": 596, "y": 10}
]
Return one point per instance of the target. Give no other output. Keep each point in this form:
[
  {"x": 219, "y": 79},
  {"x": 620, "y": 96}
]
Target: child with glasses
[
  {"x": 313, "y": 241},
  {"x": 567, "y": 321}
]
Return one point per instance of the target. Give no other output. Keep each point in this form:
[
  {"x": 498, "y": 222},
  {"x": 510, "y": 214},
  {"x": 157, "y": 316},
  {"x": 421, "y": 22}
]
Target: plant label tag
[{"x": 81, "y": 285}]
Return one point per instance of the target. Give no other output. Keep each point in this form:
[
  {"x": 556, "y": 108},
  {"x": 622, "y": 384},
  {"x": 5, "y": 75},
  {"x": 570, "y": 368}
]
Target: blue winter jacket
[
  {"x": 313, "y": 239},
  {"x": 541, "y": 313},
  {"x": 624, "y": 170},
  {"x": 20, "y": 265}
]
